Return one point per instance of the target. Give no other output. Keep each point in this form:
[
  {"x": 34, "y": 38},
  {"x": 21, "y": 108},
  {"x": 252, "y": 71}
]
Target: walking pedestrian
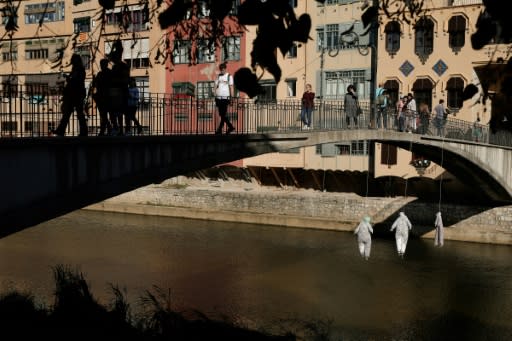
[
  {"x": 402, "y": 226},
  {"x": 101, "y": 84},
  {"x": 131, "y": 109},
  {"x": 223, "y": 94},
  {"x": 364, "y": 237},
  {"x": 308, "y": 104},
  {"x": 439, "y": 118},
  {"x": 120, "y": 77},
  {"x": 351, "y": 105},
  {"x": 73, "y": 98}
]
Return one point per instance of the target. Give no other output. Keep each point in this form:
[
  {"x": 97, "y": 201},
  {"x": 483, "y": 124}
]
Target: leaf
[
  {"x": 469, "y": 91},
  {"x": 173, "y": 14},
  {"x": 371, "y": 14},
  {"x": 245, "y": 80}
]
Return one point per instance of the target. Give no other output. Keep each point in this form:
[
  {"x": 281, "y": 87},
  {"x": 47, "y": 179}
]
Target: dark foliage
[{"x": 76, "y": 315}]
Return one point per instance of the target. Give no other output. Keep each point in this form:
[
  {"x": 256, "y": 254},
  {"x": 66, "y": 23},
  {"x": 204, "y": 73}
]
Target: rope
[
  {"x": 441, "y": 180},
  {"x": 410, "y": 151}
]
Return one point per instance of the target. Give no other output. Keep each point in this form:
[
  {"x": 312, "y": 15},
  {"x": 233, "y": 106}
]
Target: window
[
  {"x": 85, "y": 53},
  {"x": 269, "y": 88},
  {"x": 78, "y": 2},
  {"x": 423, "y": 91},
  {"x": 135, "y": 52},
  {"x": 392, "y": 31},
  {"x": 144, "y": 95},
  {"x": 231, "y": 48},
  {"x": 424, "y": 39},
  {"x": 388, "y": 154},
  {"x": 9, "y": 126},
  {"x": 455, "y": 88},
  {"x": 342, "y": 149},
  {"x": 129, "y": 20},
  {"x": 291, "y": 87},
  {"x": 36, "y": 54},
  {"x": 234, "y": 9},
  {"x": 205, "y": 51},
  {"x": 9, "y": 15},
  {"x": 457, "y": 32},
  {"x": 320, "y": 36},
  {"x": 352, "y": 148},
  {"x": 359, "y": 147},
  {"x": 180, "y": 53},
  {"x": 336, "y": 83},
  {"x": 205, "y": 89},
  {"x": 292, "y": 53},
  {"x": 36, "y": 89},
  {"x": 10, "y": 87},
  {"x": 393, "y": 88},
  {"x": 44, "y": 12},
  {"x": 293, "y": 3},
  {"x": 9, "y": 56},
  {"x": 331, "y": 36},
  {"x": 82, "y": 24}
]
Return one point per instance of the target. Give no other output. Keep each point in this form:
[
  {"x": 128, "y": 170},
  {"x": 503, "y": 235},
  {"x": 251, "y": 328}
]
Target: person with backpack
[
  {"x": 223, "y": 93},
  {"x": 382, "y": 104}
]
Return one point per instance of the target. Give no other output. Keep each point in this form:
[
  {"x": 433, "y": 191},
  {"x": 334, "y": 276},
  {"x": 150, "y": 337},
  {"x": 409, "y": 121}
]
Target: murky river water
[{"x": 263, "y": 275}]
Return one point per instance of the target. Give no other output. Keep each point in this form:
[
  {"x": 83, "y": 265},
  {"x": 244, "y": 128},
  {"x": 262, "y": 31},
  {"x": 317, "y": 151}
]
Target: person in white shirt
[
  {"x": 364, "y": 237},
  {"x": 223, "y": 94},
  {"x": 402, "y": 226},
  {"x": 411, "y": 113}
]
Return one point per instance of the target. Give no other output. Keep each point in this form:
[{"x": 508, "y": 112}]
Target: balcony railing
[{"x": 31, "y": 114}]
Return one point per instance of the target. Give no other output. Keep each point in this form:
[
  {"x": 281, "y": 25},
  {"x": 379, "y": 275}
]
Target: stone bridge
[{"x": 48, "y": 177}]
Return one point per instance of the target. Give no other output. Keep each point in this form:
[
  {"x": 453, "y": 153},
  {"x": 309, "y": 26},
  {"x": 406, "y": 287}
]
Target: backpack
[{"x": 381, "y": 100}]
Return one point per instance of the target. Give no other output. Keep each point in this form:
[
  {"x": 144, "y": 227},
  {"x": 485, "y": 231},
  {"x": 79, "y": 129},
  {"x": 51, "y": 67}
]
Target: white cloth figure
[
  {"x": 402, "y": 226},
  {"x": 439, "y": 238},
  {"x": 364, "y": 237}
]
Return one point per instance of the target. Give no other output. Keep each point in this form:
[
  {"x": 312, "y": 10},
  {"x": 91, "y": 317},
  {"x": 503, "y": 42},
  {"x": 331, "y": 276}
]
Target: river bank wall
[{"x": 248, "y": 203}]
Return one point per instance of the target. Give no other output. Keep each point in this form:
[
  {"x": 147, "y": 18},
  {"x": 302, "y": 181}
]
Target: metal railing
[{"x": 29, "y": 114}]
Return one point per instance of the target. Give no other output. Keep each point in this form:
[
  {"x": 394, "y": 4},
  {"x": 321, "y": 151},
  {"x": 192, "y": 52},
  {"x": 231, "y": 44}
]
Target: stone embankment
[{"x": 245, "y": 202}]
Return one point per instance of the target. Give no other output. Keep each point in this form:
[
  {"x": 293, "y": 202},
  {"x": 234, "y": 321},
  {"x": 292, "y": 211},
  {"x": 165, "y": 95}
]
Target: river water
[{"x": 270, "y": 276}]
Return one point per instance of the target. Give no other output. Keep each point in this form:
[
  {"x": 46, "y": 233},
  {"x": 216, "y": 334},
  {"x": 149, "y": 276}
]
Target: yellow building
[
  {"x": 431, "y": 58},
  {"x": 48, "y": 32}
]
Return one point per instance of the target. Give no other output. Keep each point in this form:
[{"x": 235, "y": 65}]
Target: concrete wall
[{"x": 314, "y": 209}]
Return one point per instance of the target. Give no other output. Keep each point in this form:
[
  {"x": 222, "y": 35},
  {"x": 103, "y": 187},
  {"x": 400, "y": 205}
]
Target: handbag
[{"x": 359, "y": 111}]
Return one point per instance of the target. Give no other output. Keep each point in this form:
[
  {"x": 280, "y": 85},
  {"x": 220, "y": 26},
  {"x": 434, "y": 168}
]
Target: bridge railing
[{"x": 35, "y": 114}]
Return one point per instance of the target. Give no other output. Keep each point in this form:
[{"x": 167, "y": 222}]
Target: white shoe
[{"x": 305, "y": 127}]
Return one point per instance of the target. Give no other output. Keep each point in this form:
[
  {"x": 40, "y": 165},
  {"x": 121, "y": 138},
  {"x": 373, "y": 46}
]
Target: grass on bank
[{"x": 77, "y": 315}]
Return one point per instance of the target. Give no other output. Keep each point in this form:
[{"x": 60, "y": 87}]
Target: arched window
[
  {"x": 393, "y": 88},
  {"x": 424, "y": 39},
  {"x": 454, "y": 88},
  {"x": 457, "y": 32},
  {"x": 392, "y": 37},
  {"x": 423, "y": 92}
]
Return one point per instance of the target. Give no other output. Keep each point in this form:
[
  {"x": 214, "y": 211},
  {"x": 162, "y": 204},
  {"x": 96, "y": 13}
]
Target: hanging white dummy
[
  {"x": 402, "y": 226},
  {"x": 439, "y": 237},
  {"x": 364, "y": 237}
]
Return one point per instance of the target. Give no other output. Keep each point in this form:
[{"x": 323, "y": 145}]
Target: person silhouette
[
  {"x": 120, "y": 78},
  {"x": 101, "y": 84},
  {"x": 131, "y": 108},
  {"x": 364, "y": 237},
  {"x": 73, "y": 97},
  {"x": 402, "y": 226}
]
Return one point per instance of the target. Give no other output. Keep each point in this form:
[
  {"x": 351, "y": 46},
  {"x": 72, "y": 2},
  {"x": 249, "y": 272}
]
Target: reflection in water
[{"x": 259, "y": 274}]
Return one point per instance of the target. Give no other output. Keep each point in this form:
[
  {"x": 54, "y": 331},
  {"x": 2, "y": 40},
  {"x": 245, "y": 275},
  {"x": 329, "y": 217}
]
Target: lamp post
[{"x": 374, "y": 32}]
